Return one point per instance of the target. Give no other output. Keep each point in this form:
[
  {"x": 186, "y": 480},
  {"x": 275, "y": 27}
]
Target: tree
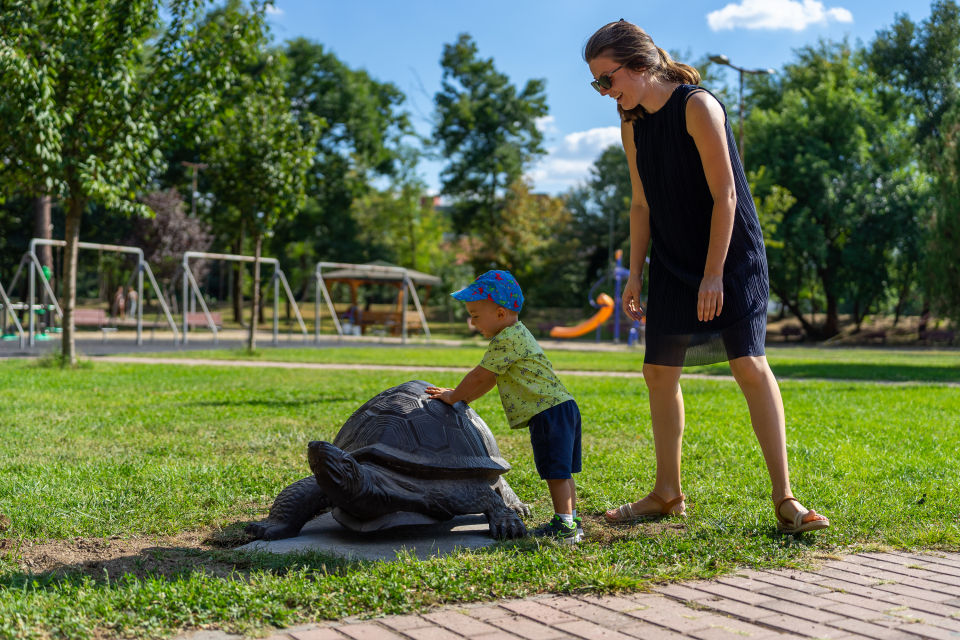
[
  {"x": 821, "y": 132},
  {"x": 920, "y": 66},
  {"x": 486, "y": 130},
  {"x": 361, "y": 141},
  {"x": 259, "y": 161},
  {"x": 93, "y": 86}
]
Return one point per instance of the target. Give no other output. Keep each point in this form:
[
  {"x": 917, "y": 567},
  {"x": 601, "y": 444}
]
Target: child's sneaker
[
  {"x": 557, "y": 528},
  {"x": 578, "y": 522}
]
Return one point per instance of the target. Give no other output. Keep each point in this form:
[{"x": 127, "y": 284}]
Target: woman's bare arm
[
  {"x": 706, "y": 125},
  {"x": 639, "y": 228}
]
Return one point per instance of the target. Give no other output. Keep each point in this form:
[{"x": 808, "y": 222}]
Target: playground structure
[
  {"x": 607, "y": 306},
  {"x": 32, "y": 263},
  {"x": 355, "y": 274},
  {"x": 191, "y": 291}
]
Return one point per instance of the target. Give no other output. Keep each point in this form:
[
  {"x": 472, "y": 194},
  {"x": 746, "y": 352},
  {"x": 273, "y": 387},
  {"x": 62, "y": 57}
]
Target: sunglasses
[{"x": 603, "y": 83}]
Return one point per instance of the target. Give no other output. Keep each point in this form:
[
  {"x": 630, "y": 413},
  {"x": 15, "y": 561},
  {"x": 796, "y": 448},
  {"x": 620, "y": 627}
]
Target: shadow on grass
[
  {"x": 849, "y": 371},
  {"x": 266, "y": 403}
]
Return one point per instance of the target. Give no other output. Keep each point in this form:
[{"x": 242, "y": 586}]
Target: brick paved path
[{"x": 885, "y": 596}]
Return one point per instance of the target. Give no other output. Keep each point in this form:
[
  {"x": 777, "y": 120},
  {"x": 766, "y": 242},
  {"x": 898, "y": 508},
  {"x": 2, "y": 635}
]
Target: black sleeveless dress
[{"x": 681, "y": 210}]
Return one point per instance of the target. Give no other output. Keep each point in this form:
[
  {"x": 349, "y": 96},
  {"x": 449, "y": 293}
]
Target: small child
[{"x": 530, "y": 391}]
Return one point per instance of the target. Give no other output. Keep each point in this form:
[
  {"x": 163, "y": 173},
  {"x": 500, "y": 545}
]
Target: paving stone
[
  {"x": 679, "y": 621},
  {"x": 526, "y": 628},
  {"x": 802, "y": 576},
  {"x": 921, "y": 574},
  {"x": 431, "y": 633},
  {"x": 731, "y": 627},
  {"x": 538, "y": 612},
  {"x": 855, "y": 589},
  {"x": 932, "y": 585},
  {"x": 802, "y": 627},
  {"x": 948, "y": 561},
  {"x": 800, "y": 611},
  {"x": 944, "y": 609},
  {"x": 614, "y": 603},
  {"x": 497, "y": 635},
  {"x": 281, "y": 636},
  {"x": 367, "y": 631},
  {"x": 679, "y": 591},
  {"x": 857, "y": 601},
  {"x": 925, "y": 618},
  {"x": 738, "y": 609},
  {"x": 317, "y": 634},
  {"x": 846, "y": 576},
  {"x": 743, "y": 583},
  {"x": 857, "y": 558},
  {"x": 402, "y": 623},
  {"x": 921, "y": 594},
  {"x": 592, "y": 612},
  {"x": 847, "y": 567},
  {"x": 645, "y": 631},
  {"x": 590, "y": 631},
  {"x": 488, "y": 613},
  {"x": 460, "y": 624},
  {"x": 875, "y": 631},
  {"x": 797, "y": 597},
  {"x": 733, "y": 593},
  {"x": 928, "y": 631},
  {"x": 866, "y": 615},
  {"x": 793, "y": 585}
]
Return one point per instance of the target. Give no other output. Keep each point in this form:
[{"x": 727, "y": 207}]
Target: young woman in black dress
[{"x": 708, "y": 271}]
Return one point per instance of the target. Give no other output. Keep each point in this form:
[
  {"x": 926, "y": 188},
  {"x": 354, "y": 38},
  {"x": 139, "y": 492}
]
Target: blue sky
[{"x": 401, "y": 41}]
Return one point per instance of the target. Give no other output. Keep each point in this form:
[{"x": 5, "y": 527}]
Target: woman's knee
[
  {"x": 750, "y": 370},
  {"x": 659, "y": 378}
]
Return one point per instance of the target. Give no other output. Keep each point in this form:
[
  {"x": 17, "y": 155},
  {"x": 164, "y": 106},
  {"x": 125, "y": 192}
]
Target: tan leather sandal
[
  {"x": 625, "y": 513},
  {"x": 798, "y": 525}
]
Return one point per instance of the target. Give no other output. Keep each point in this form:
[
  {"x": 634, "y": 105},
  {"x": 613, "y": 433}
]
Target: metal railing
[{"x": 190, "y": 284}]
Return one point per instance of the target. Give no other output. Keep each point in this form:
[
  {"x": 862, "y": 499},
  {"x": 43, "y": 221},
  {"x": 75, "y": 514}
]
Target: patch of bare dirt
[
  {"x": 597, "y": 529},
  {"x": 117, "y": 556}
]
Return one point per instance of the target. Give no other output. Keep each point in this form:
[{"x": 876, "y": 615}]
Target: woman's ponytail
[{"x": 674, "y": 71}]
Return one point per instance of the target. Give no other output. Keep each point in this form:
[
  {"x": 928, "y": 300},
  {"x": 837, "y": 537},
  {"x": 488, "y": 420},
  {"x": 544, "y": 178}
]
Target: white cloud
[
  {"x": 775, "y": 14},
  {"x": 569, "y": 162},
  {"x": 546, "y": 124},
  {"x": 274, "y": 11}
]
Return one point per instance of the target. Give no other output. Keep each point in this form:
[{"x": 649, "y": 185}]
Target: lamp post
[{"x": 724, "y": 60}]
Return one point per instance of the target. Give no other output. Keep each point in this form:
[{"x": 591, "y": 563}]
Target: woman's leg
[
  {"x": 760, "y": 388},
  {"x": 666, "y": 413}
]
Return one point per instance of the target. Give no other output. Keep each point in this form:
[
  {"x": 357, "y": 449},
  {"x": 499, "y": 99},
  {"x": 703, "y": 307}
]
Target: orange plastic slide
[{"x": 606, "y": 310}]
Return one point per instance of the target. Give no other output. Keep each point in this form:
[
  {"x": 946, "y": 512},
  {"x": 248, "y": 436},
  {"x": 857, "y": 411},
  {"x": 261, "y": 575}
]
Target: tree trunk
[
  {"x": 831, "y": 326},
  {"x": 68, "y": 344},
  {"x": 252, "y": 342},
  {"x": 43, "y": 229},
  {"x": 238, "y": 281}
]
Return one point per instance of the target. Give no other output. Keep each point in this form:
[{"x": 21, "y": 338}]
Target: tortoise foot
[
  {"x": 507, "y": 526},
  {"x": 272, "y": 530}
]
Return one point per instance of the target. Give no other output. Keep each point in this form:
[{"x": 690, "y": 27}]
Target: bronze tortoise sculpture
[{"x": 400, "y": 460}]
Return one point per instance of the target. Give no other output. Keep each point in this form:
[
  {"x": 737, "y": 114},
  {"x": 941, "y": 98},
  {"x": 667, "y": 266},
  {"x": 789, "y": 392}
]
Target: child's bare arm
[{"x": 474, "y": 384}]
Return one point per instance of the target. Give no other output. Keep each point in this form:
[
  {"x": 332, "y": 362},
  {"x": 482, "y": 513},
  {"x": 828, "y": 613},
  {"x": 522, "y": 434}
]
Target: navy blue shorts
[{"x": 555, "y": 436}]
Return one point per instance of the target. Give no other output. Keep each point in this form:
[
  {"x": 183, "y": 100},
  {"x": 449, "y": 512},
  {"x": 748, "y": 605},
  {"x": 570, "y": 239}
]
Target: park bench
[
  {"x": 390, "y": 321},
  {"x": 937, "y": 335},
  {"x": 789, "y": 332},
  {"x": 198, "y": 320},
  {"x": 93, "y": 318}
]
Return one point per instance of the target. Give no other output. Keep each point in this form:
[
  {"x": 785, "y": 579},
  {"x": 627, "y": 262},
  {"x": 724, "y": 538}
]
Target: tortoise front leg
[
  {"x": 296, "y": 505},
  {"x": 510, "y": 498}
]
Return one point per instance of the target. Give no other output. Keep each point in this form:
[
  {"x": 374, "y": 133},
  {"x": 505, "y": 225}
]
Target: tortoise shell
[{"x": 404, "y": 430}]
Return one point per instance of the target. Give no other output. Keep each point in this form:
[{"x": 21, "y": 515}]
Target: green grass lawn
[
  {"x": 133, "y": 451},
  {"x": 786, "y": 362}
]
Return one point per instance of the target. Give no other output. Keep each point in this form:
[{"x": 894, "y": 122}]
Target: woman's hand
[
  {"x": 631, "y": 298},
  {"x": 710, "y": 300}
]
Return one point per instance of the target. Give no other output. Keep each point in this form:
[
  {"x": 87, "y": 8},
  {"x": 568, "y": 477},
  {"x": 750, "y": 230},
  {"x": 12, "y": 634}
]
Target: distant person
[
  {"x": 119, "y": 304},
  {"x": 690, "y": 197},
  {"x": 132, "y": 300},
  {"x": 532, "y": 395}
]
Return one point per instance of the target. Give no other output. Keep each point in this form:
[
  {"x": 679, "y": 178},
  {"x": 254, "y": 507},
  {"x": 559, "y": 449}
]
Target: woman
[{"x": 708, "y": 271}]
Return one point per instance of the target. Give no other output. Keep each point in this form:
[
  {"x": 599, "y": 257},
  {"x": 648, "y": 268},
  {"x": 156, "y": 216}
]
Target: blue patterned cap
[{"x": 497, "y": 286}]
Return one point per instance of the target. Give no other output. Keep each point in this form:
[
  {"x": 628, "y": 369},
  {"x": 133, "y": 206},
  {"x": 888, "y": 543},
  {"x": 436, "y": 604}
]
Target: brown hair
[{"x": 628, "y": 44}]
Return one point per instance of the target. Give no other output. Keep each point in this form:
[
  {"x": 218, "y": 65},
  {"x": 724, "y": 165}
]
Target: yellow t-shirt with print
[{"x": 525, "y": 378}]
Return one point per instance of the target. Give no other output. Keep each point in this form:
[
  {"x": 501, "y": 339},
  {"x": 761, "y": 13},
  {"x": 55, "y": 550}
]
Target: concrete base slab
[{"x": 425, "y": 541}]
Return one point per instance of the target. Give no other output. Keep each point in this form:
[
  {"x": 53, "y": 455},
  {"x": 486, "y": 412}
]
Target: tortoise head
[{"x": 337, "y": 472}]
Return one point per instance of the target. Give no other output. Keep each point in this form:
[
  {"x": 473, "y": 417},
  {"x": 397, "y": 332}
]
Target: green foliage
[
  {"x": 772, "y": 208},
  {"x": 159, "y": 450},
  {"x": 823, "y": 135},
  {"x": 486, "y": 131}
]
